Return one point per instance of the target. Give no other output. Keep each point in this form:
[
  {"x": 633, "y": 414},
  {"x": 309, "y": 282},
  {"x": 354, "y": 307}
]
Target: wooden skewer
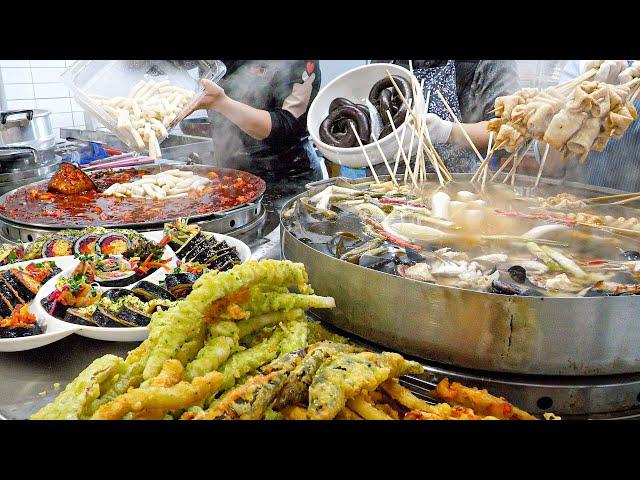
[
  {"x": 484, "y": 175},
  {"x": 434, "y": 161},
  {"x": 612, "y": 197},
  {"x": 375, "y": 175},
  {"x": 503, "y": 166},
  {"x": 417, "y": 165},
  {"x": 419, "y": 128},
  {"x": 516, "y": 163},
  {"x": 464, "y": 132},
  {"x": 626, "y": 200},
  {"x": 415, "y": 120},
  {"x": 404, "y": 157},
  {"x": 542, "y": 162},
  {"x": 386, "y": 162},
  {"x": 395, "y": 167},
  {"x": 406, "y": 172},
  {"x": 483, "y": 166}
]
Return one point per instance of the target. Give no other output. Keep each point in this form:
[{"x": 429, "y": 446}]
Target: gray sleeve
[{"x": 492, "y": 79}]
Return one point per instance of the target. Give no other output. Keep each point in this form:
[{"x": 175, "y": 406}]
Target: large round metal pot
[
  {"x": 472, "y": 329},
  {"x": 30, "y": 128}
]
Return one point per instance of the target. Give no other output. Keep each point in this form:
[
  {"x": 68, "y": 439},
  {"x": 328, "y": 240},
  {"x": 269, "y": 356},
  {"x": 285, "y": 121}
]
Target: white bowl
[
  {"x": 125, "y": 334},
  {"x": 51, "y": 333},
  {"x": 355, "y": 85}
]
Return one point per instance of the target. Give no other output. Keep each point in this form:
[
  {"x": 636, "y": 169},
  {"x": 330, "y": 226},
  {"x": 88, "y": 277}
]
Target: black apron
[{"x": 288, "y": 170}]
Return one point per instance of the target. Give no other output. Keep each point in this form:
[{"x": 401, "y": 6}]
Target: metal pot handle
[
  {"x": 4, "y": 115},
  {"x": 34, "y": 152}
]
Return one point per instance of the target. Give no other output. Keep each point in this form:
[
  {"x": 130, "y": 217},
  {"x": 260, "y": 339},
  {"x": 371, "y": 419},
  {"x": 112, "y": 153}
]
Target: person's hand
[
  {"x": 586, "y": 65},
  {"x": 214, "y": 96},
  {"x": 630, "y": 73},
  {"x": 439, "y": 129},
  {"x": 608, "y": 70}
]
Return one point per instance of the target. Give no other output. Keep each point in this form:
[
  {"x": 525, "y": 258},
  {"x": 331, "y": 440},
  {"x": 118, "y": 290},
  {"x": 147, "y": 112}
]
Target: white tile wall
[{"x": 37, "y": 84}]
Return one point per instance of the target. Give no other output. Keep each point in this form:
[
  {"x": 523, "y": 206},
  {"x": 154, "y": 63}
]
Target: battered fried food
[
  {"x": 366, "y": 409},
  {"x": 249, "y": 360},
  {"x": 171, "y": 328},
  {"x": 216, "y": 350},
  {"x": 481, "y": 401},
  {"x": 253, "y": 324},
  {"x": 295, "y": 337},
  {"x": 404, "y": 396},
  {"x": 73, "y": 401},
  {"x": 160, "y": 398},
  {"x": 347, "y": 374},
  {"x": 296, "y": 388},
  {"x": 347, "y": 414},
  {"x": 295, "y": 412}
]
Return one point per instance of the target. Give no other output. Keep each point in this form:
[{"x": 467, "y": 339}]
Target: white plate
[
  {"x": 125, "y": 334},
  {"x": 51, "y": 333},
  {"x": 244, "y": 252}
]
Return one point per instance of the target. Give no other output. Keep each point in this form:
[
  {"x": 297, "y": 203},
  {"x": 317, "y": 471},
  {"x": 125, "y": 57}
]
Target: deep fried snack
[
  {"x": 404, "y": 396},
  {"x": 347, "y": 374},
  {"x": 170, "y": 374},
  {"x": 265, "y": 302},
  {"x": 389, "y": 410},
  {"x": 131, "y": 377},
  {"x": 73, "y": 401},
  {"x": 251, "y": 399},
  {"x": 295, "y": 337},
  {"x": 420, "y": 415},
  {"x": 171, "y": 328},
  {"x": 216, "y": 350},
  {"x": 248, "y": 401},
  {"x": 249, "y": 360},
  {"x": 295, "y": 412},
  {"x": 296, "y": 388},
  {"x": 480, "y": 401},
  {"x": 253, "y": 324},
  {"x": 347, "y": 414},
  {"x": 176, "y": 397},
  {"x": 318, "y": 333},
  {"x": 366, "y": 409}
]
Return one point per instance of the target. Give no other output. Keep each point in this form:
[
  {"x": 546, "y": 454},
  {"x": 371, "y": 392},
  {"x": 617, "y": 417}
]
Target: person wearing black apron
[
  {"x": 470, "y": 87},
  {"x": 258, "y": 113}
]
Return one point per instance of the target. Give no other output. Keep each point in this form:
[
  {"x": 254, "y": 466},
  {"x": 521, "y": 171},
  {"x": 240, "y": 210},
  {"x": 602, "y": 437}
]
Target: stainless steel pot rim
[
  {"x": 559, "y": 298},
  {"x": 254, "y": 203}
]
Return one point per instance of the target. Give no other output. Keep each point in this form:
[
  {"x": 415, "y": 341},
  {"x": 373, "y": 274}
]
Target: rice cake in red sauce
[{"x": 32, "y": 204}]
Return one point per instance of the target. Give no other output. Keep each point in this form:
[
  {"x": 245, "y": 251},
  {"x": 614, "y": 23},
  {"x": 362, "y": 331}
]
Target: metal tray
[
  {"x": 472, "y": 329},
  {"x": 18, "y": 230}
]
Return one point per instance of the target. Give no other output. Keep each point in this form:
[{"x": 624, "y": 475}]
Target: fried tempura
[
  {"x": 480, "y": 401},
  {"x": 348, "y": 374},
  {"x": 165, "y": 399}
]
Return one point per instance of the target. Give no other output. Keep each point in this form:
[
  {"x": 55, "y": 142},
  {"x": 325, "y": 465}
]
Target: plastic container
[{"x": 116, "y": 78}]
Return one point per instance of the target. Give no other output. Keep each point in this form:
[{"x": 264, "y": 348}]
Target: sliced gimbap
[
  {"x": 57, "y": 247},
  {"x": 150, "y": 291},
  {"x": 86, "y": 244},
  {"x": 112, "y": 244}
]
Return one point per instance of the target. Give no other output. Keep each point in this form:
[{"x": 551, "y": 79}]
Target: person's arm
[
  {"x": 295, "y": 86},
  {"x": 255, "y": 123},
  {"x": 476, "y": 131},
  {"x": 491, "y": 79}
]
